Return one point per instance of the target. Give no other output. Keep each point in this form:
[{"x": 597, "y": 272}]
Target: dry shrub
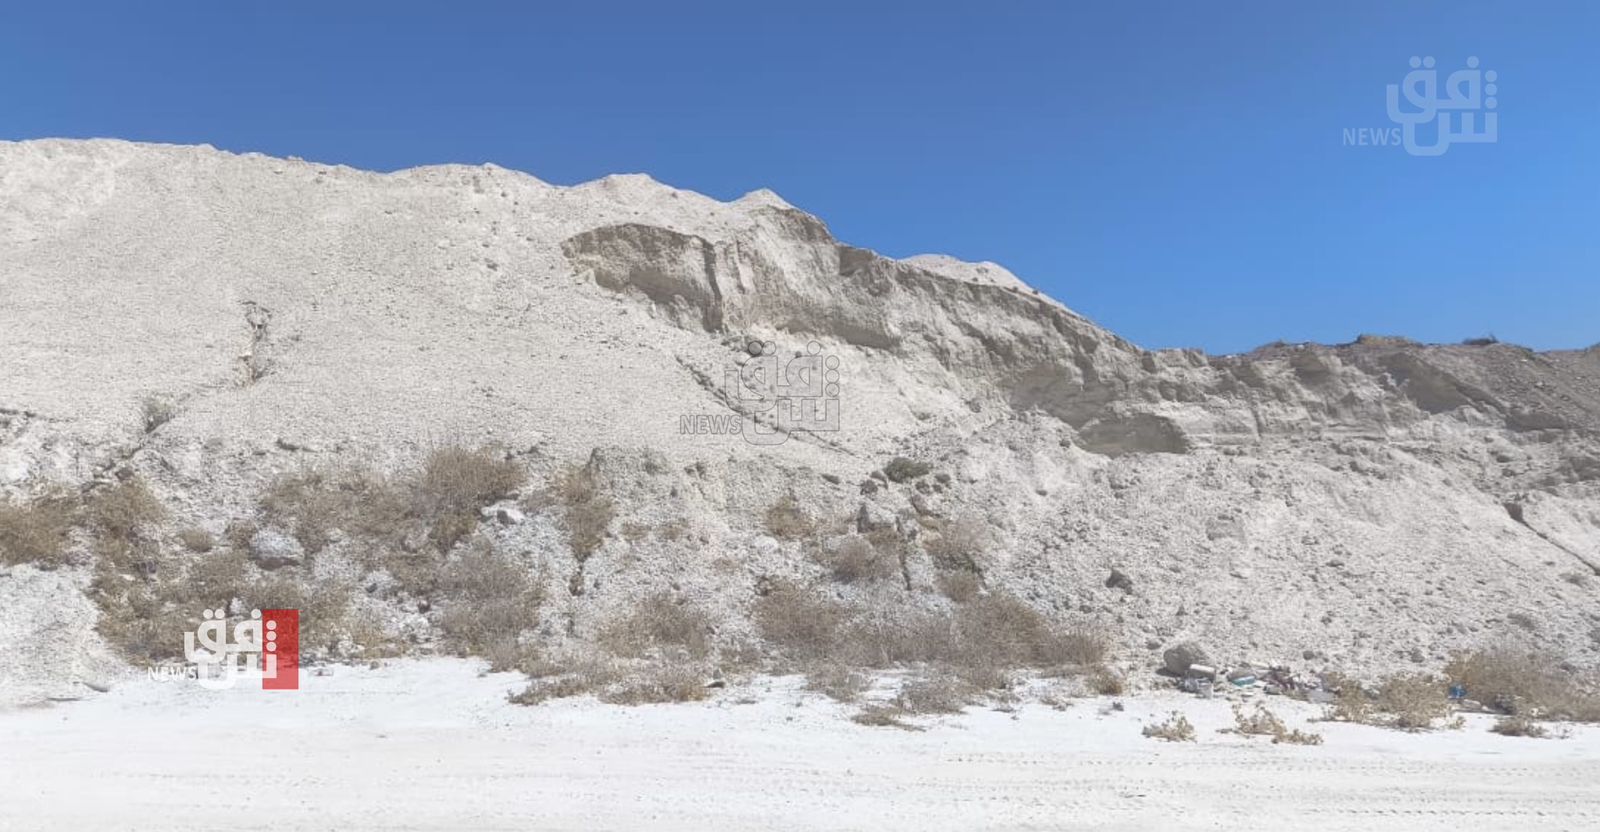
[
  {"x": 1413, "y": 701},
  {"x": 125, "y": 511},
  {"x": 801, "y": 621},
  {"x": 1523, "y": 620},
  {"x": 1105, "y": 683},
  {"x": 196, "y": 539},
  {"x": 1085, "y": 646},
  {"x": 673, "y": 530},
  {"x": 1263, "y": 722},
  {"x": 578, "y": 675},
  {"x": 123, "y": 517},
  {"x": 659, "y": 683},
  {"x": 442, "y": 499},
  {"x": 215, "y": 580},
  {"x": 883, "y": 716},
  {"x": 455, "y": 482},
  {"x": 1524, "y": 684},
  {"x": 1007, "y": 629},
  {"x": 490, "y": 599},
  {"x": 1409, "y": 702},
  {"x": 322, "y": 607},
  {"x": 1176, "y": 728},
  {"x": 1519, "y": 726},
  {"x": 1297, "y": 737},
  {"x": 37, "y": 532},
  {"x": 785, "y": 520},
  {"x": 982, "y": 642},
  {"x": 958, "y": 543},
  {"x": 889, "y": 637},
  {"x": 857, "y": 560},
  {"x": 588, "y": 511},
  {"x": 143, "y": 623},
  {"x": 311, "y": 504},
  {"x": 838, "y": 682},
  {"x": 936, "y": 691},
  {"x": 960, "y": 587},
  {"x": 657, "y": 624}
]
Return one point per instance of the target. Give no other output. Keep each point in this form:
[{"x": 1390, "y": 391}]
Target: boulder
[
  {"x": 272, "y": 549},
  {"x": 1179, "y": 657}
]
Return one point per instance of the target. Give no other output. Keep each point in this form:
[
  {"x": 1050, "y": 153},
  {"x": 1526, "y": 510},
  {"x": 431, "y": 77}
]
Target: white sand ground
[{"x": 433, "y": 745}]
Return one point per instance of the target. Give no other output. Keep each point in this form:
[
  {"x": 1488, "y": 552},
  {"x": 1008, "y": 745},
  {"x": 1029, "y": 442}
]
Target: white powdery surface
[{"x": 434, "y": 745}]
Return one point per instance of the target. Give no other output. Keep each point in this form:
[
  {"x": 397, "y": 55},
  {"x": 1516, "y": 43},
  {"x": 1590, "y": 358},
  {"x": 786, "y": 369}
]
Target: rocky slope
[{"x": 1368, "y": 505}]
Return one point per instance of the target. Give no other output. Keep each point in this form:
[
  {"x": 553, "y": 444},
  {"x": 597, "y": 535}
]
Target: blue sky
[{"x": 1176, "y": 171}]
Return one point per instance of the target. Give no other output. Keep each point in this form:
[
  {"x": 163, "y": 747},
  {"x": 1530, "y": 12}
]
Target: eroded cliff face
[{"x": 1379, "y": 502}]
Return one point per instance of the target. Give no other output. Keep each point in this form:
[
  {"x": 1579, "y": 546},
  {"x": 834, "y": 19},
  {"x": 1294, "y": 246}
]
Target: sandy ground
[{"x": 433, "y": 745}]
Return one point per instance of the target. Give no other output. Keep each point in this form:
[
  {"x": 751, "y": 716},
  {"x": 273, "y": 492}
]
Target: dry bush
[
  {"x": 981, "y": 673},
  {"x": 1523, "y": 620},
  {"x": 1176, "y": 728},
  {"x": 125, "y": 511},
  {"x": 936, "y": 691},
  {"x": 311, "y": 504},
  {"x": 122, "y": 518},
  {"x": 801, "y": 621},
  {"x": 785, "y": 520},
  {"x": 584, "y": 674},
  {"x": 322, "y": 607},
  {"x": 37, "y": 532},
  {"x": 1524, "y": 684},
  {"x": 588, "y": 512},
  {"x": 883, "y": 716},
  {"x": 1105, "y": 683},
  {"x": 857, "y": 560},
  {"x": 838, "y": 682},
  {"x": 1409, "y": 702},
  {"x": 1518, "y": 726},
  {"x": 658, "y": 683},
  {"x": 1412, "y": 702},
  {"x": 958, "y": 543},
  {"x": 1084, "y": 646},
  {"x": 673, "y": 530},
  {"x": 143, "y": 624},
  {"x": 1007, "y": 629},
  {"x": 214, "y": 581},
  {"x": 455, "y": 482},
  {"x": 960, "y": 587},
  {"x": 1297, "y": 737},
  {"x": 659, "y": 623},
  {"x": 442, "y": 499},
  {"x": 490, "y": 599},
  {"x": 1263, "y": 722},
  {"x": 196, "y": 539}
]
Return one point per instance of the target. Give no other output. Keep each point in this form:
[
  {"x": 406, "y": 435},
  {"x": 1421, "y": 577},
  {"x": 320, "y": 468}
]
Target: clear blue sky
[{"x": 1174, "y": 170}]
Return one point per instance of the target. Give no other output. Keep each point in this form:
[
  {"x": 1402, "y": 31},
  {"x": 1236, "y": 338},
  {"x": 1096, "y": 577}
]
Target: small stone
[
  {"x": 510, "y": 516},
  {"x": 1119, "y": 580}
]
